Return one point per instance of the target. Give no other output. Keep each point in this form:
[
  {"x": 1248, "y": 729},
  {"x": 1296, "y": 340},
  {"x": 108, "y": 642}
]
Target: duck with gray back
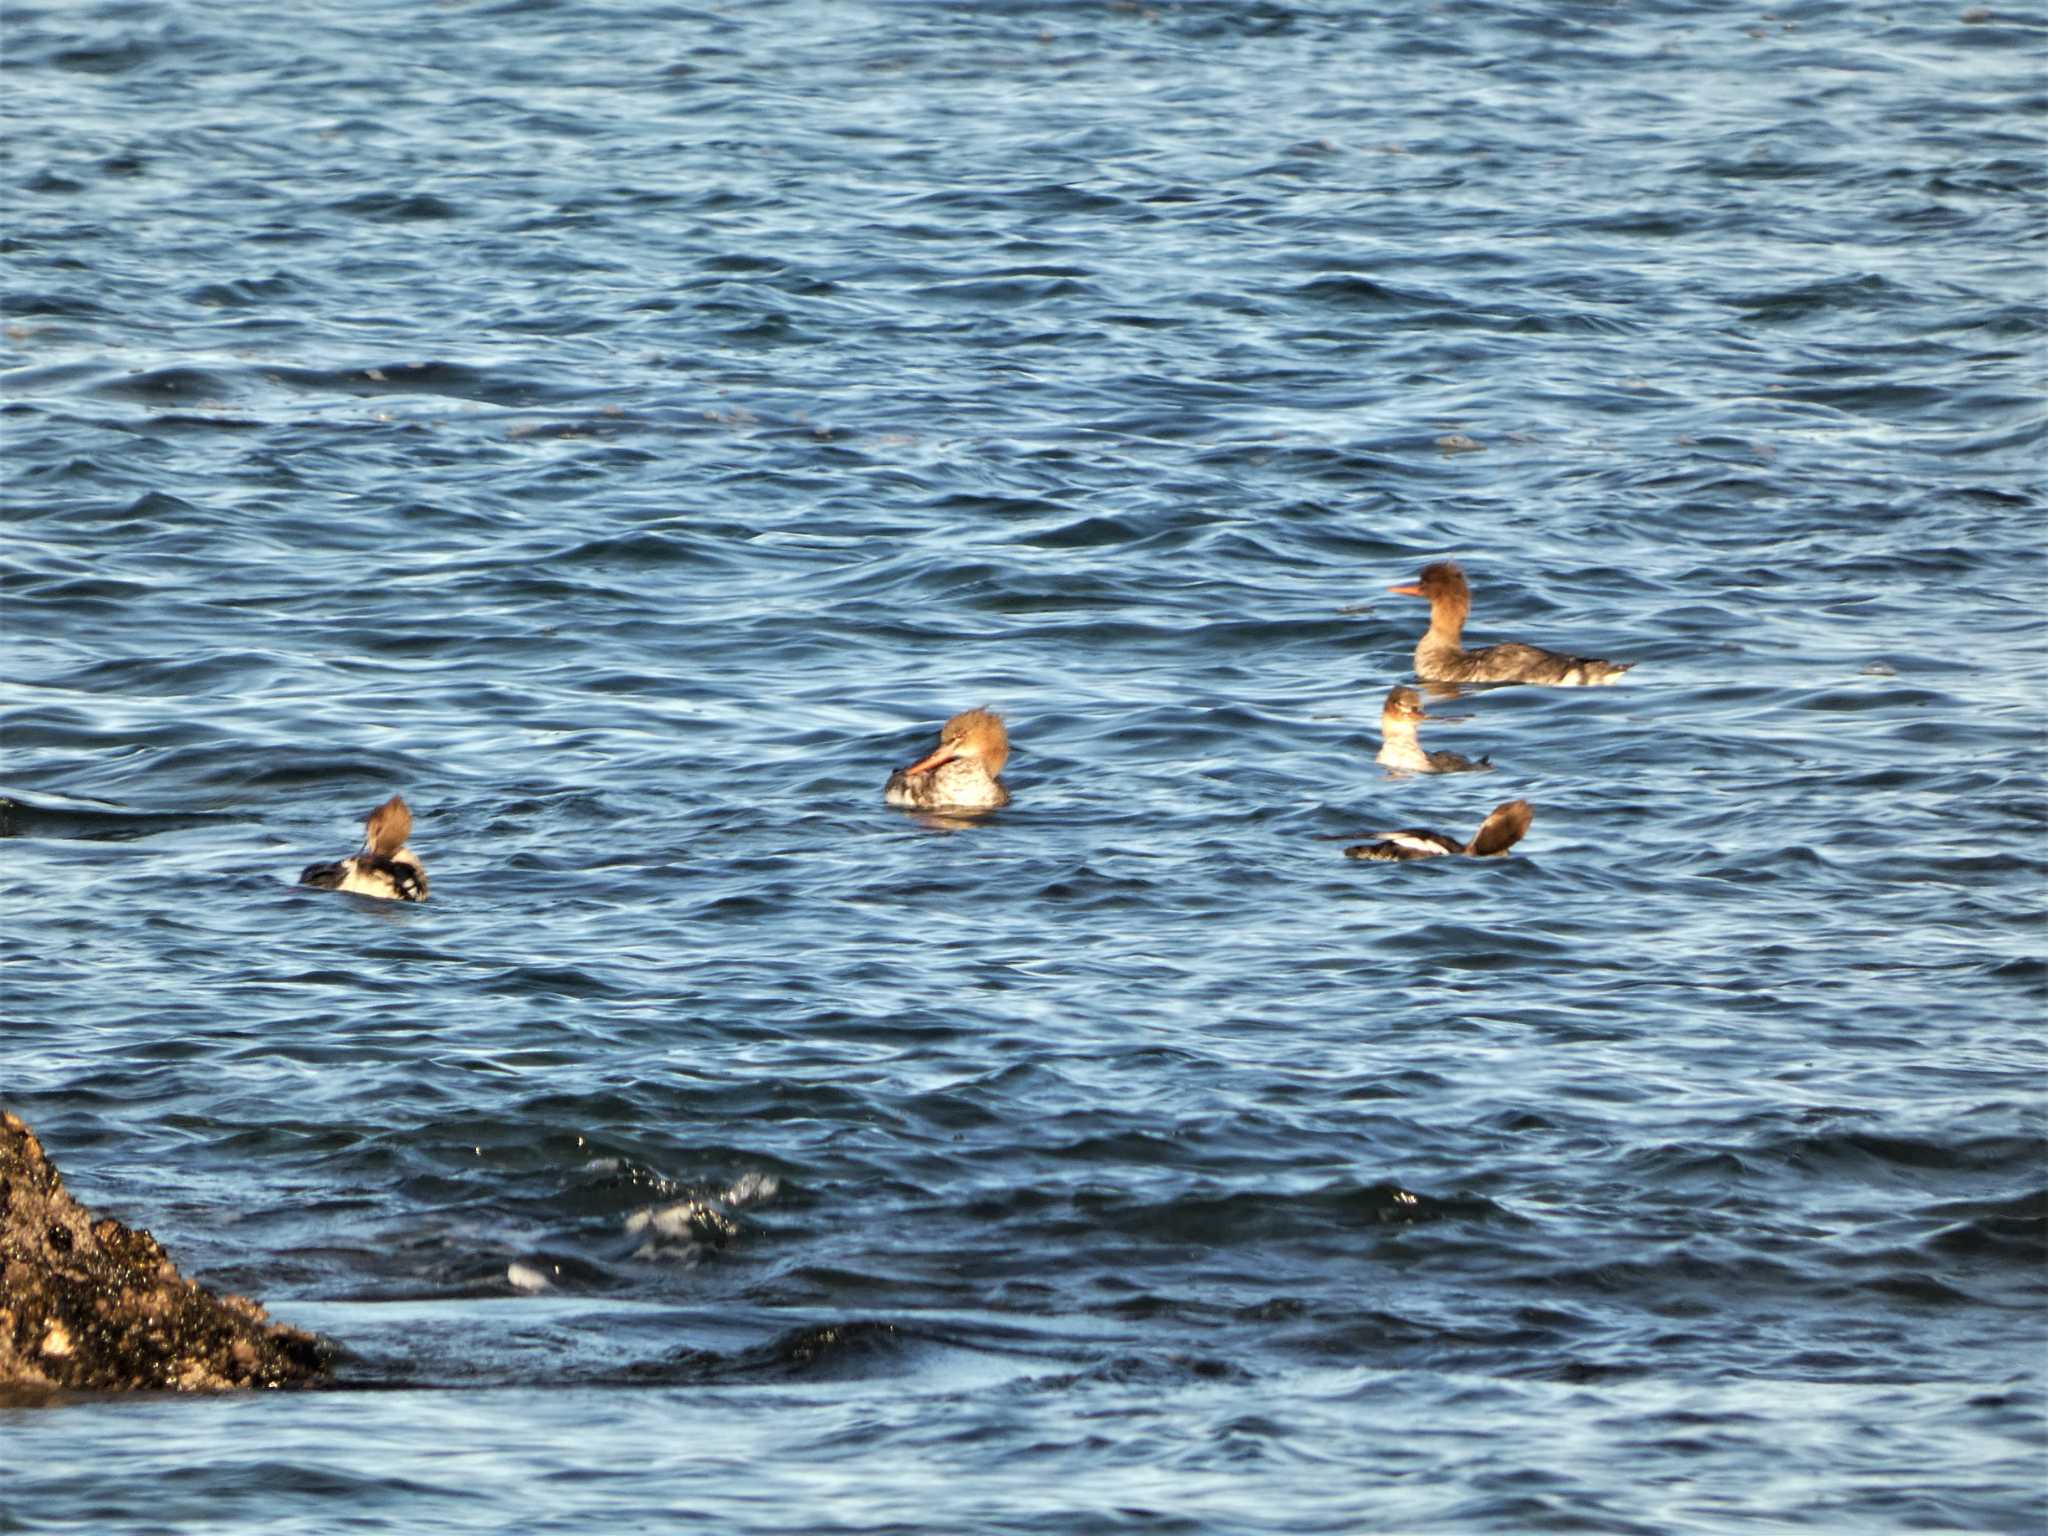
[
  {"x": 1496, "y": 835},
  {"x": 386, "y": 868},
  {"x": 1441, "y": 656},
  {"x": 1401, "y": 749},
  {"x": 960, "y": 773}
]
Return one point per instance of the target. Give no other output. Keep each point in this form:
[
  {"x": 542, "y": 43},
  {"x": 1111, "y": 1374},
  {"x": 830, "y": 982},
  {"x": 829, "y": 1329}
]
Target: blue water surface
[{"x": 629, "y": 429}]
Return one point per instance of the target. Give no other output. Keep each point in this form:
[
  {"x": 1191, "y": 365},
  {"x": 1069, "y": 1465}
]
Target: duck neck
[
  {"x": 1401, "y": 747},
  {"x": 1446, "y": 633}
]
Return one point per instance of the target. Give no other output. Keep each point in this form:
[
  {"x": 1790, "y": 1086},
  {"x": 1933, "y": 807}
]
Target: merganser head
[
  {"x": 977, "y": 734},
  {"x": 1442, "y": 583},
  {"x": 388, "y": 827},
  {"x": 1403, "y": 704}
]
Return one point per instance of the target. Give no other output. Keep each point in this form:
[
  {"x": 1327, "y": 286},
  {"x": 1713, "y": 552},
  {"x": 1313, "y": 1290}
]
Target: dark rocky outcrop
[{"x": 92, "y": 1305}]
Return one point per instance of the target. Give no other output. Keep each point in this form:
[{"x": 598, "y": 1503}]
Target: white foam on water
[
  {"x": 524, "y": 1277},
  {"x": 752, "y": 1189}
]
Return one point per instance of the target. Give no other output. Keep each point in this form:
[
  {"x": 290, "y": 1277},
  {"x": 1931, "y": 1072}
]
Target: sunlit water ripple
[{"x": 631, "y": 430}]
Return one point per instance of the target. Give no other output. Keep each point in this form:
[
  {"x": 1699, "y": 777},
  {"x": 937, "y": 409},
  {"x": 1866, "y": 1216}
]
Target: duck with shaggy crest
[
  {"x": 385, "y": 868},
  {"x": 1441, "y": 656},
  {"x": 960, "y": 773},
  {"x": 1401, "y": 749}
]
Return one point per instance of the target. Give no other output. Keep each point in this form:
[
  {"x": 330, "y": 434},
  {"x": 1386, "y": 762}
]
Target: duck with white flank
[
  {"x": 385, "y": 867},
  {"x": 960, "y": 773},
  {"x": 1401, "y": 749},
  {"x": 1442, "y": 657},
  {"x": 1496, "y": 835}
]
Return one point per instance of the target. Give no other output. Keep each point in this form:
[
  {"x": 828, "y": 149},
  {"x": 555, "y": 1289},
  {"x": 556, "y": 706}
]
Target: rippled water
[{"x": 629, "y": 430}]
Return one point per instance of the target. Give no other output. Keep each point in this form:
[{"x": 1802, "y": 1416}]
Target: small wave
[
  {"x": 158, "y": 385},
  {"x": 84, "y": 821}
]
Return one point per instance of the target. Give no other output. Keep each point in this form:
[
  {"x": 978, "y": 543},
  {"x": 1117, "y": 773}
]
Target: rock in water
[{"x": 91, "y": 1305}]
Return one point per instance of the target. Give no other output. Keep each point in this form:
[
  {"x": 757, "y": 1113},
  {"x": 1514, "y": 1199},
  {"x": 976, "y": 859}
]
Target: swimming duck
[
  {"x": 385, "y": 867},
  {"x": 1401, "y": 749},
  {"x": 960, "y": 773},
  {"x": 1441, "y": 656},
  {"x": 1497, "y": 834}
]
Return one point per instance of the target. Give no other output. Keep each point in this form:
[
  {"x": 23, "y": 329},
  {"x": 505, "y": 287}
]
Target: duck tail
[
  {"x": 1501, "y": 830},
  {"x": 389, "y": 826}
]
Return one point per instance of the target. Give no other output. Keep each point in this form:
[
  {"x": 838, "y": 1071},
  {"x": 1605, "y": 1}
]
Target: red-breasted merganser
[
  {"x": 1442, "y": 657},
  {"x": 960, "y": 774},
  {"x": 1401, "y": 750},
  {"x": 385, "y": 867},
  {"x": 1497, "y": 834}
]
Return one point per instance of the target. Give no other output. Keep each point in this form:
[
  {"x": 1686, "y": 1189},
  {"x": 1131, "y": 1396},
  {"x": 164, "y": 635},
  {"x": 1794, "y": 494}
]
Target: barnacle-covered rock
[{"x": 89, "y": 1304}]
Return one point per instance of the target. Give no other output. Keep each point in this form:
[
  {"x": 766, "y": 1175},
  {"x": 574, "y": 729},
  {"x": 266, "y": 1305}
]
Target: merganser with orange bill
[
  {"x": 960, "y": 773},
  {"x": 1401, "y": 749},
  {"x": 385, "y": 868},
  {"x": 1441, "y": 657},
  {"x": 1496, "y": 835}
]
